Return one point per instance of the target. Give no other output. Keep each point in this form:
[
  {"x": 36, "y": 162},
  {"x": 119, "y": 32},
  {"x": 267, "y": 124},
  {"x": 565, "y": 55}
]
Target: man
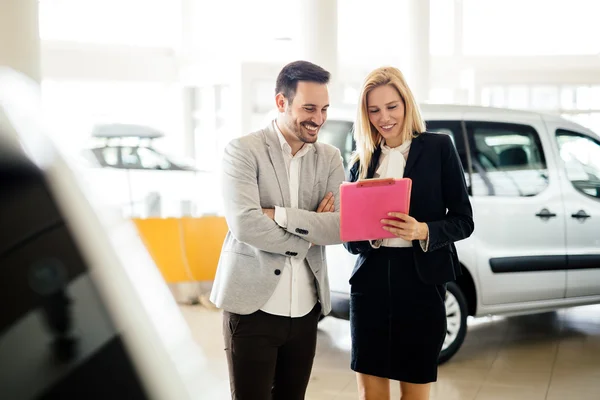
[{"x": 282, "y": 207}]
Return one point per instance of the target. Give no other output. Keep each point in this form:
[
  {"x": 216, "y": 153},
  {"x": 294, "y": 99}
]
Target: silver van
[{"x": 534, "y": 182}]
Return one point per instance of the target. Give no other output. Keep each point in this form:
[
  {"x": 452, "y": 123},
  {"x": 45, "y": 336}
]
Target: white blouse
[{"x": 391, "y": 165}]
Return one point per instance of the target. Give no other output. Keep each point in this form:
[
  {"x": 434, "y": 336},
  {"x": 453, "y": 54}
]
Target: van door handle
[
  {"x": 581, "y": 215},
  {"x": 545, "y": 214}
]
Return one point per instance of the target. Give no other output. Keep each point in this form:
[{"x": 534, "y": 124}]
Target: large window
[
  {"x": 150, "y": 159},
  {"x": 531, "y": 27},
  {"x": 508, "y": 160},
  {"x": 581, "y": 156},
  {"x": 212, "y": 122},
  {"x": 108, "y": 156},
  {"x": 454, "y": 130},
  {"x": 580, "y": 103},
  {"x": 130, "y": 159}
]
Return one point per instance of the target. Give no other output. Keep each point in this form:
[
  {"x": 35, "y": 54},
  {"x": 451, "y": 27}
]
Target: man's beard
[{"x": 296, "y": 129}]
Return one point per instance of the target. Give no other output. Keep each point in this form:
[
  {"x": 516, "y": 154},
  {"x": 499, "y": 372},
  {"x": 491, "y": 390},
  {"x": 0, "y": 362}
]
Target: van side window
[
  {"x": 150, "y": 159},
  {"x": 340, "y": 134},
  {"x": 130, "y": 158},
  {"x": 581, "y": 157},
  {"x": 454, "y": 130},
  {"x": 110, "y": 156},
  {"x": 508, "y": 160}
]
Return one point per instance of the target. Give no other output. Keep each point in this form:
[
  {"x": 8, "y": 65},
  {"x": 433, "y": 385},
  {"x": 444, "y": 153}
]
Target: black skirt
[{"x": 398, "y": 323}]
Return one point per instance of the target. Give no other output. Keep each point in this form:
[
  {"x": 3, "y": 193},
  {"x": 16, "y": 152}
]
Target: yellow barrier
[{"x": 184, "y": 249}]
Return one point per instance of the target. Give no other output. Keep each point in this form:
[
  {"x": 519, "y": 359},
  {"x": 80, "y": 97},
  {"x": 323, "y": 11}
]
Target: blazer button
[{"x": 277, "y": 271}]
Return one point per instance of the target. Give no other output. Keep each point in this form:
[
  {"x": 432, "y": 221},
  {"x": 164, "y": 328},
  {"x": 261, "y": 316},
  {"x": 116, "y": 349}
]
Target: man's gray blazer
[{"x": 255, "y": 248}]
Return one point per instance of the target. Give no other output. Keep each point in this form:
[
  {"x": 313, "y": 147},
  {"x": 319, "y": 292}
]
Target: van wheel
[{"x": 456, "y": 317}]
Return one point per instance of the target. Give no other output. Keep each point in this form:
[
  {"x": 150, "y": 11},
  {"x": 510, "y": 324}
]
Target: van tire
[{"x": 457, "y": 324}]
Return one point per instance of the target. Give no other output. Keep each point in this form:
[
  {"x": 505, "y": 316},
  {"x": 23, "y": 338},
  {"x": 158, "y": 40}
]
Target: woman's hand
[{"x": 406, "y": 228}]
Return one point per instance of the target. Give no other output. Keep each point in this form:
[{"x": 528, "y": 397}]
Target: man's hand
[
  {"x": 327, "y": 204},
  {"x": 269, "y": 212},
  {"x": 407, "y": 228}
]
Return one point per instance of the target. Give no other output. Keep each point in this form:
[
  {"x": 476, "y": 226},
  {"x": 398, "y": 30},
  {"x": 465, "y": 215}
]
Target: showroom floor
[{"x": 553, "y": 356}]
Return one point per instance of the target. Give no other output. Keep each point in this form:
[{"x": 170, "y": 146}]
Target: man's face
[{"x": 306, "y": 114}]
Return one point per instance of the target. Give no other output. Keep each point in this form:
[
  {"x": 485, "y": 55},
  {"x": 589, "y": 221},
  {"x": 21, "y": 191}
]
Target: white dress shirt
[
  {"x": 391, "y": 165},
  {"x": 296, "y": 293}
]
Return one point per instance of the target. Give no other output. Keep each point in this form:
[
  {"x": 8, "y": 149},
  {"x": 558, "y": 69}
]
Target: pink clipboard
[{"x": 365, "y": 203}]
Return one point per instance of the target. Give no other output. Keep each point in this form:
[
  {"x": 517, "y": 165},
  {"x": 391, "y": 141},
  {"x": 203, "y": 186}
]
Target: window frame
[
  {"x": 568, "y": 132},
  {"x": 472, "y": 125}
]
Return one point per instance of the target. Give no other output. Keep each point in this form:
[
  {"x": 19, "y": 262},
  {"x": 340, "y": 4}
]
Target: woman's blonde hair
[{"x": 365, "y": 134}]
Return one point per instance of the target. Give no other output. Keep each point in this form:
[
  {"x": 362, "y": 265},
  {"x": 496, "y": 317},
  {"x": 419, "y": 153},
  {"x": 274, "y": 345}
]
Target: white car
[
  {"x": 534, "y": 181},
  {"x": 144, "y": 181}
]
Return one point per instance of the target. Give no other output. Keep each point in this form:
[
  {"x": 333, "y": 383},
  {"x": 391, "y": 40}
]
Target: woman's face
[{"x": 386, "y": 113}]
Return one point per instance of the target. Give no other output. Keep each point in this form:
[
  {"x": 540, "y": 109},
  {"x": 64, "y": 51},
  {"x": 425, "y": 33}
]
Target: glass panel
[
  {"x": 581, "y": 156},
  {"x": 493, "y": 96},
  {"x": 110, "y": 156},
  {"x": 508, "y": 160},
  {"x": 518, "y": 97},
  {"x": 595, "y": 97},
  {"x": 444, "y": 131},
  {"x": 149, "y": 159},
  {"x": 544, "y": 97},
  {"x": 567, "y": 98},
  {"x": 454, "y": 130},
  {"x": 129, "y": 158},
  {"x": 584, "y": 98}
]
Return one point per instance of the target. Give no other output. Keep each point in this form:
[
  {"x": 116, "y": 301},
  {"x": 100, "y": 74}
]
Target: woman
[{"x": 397, "y": 308}]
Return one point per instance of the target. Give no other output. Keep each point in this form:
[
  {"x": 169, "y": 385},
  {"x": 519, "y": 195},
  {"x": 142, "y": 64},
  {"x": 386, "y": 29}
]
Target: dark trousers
[{"x": 269, "y": 356}]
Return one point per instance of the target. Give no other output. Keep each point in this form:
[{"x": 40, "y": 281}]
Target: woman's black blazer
[{"x": 439, "y": 197}]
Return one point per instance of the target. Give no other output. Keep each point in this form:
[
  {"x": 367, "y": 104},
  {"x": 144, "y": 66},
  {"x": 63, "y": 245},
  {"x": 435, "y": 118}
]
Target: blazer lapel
[
  {"x": 308, "y": 173},
  {"x": 275, "y": 153},
  {"x": 413, "y": 154}
]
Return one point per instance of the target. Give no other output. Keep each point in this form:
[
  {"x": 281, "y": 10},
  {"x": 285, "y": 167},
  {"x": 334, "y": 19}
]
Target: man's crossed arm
[{"x": 248, "y": 223}]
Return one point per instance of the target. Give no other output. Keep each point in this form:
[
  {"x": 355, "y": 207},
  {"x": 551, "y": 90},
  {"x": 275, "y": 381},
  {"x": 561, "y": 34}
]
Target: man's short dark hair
[{"x": 299, "y": 71}]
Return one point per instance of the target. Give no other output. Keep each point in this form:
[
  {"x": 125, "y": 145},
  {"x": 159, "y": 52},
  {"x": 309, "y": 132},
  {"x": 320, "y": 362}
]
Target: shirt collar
[
  {"x": 403, "y": 148},
  {"x": 286, "y": 148}
]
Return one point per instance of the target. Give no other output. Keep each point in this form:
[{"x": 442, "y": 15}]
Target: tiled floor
[{"x": 552, "y": 356}]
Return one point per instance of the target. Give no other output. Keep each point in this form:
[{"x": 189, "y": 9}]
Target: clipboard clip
[{"x": 376, "y": 182}]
